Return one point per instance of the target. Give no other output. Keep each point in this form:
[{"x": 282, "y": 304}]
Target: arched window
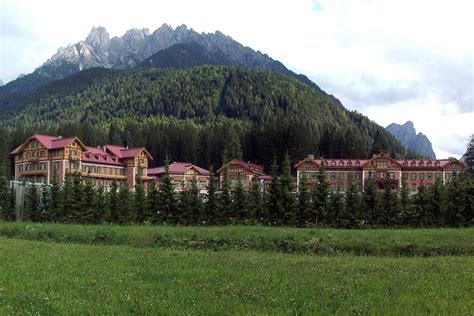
[
  {"x": 357, "y": 163},
  {"x": 421, "y": 163},
  {"x": 429, "y": 163},
  {"x": 437, "y": 163},
  {"x": 413, "y": 163},
  {"x": 349, "y": 163},
  {"x": 333, "y": 163},
  {"x": 333, "y": 176},
  {"x": 341, "y": 163},
  {"x": 405, "y": 163}
]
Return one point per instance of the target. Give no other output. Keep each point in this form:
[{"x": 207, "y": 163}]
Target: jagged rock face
[
  {"x": 407, "y": 135},
  {"x": 135, "y": 46}
]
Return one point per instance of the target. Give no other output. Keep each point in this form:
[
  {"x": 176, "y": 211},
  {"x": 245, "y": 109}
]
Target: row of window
[
  {"x": 32, "y": 167},
  {"x": 103, "y": 170},
  {"x": 429, "y": 176}
]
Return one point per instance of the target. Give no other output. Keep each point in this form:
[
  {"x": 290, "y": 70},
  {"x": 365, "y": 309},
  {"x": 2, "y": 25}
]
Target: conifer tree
[
  {"x": 225, "y": 210},
  {"x": 454, "y": 211},
  {"x": 195, "y": 201},
  {"x": 370, "y": 201},
  {"x": 124, "y": 207},
  {"x": 405, "y": 214},
  {"x": 388, "y": 210},
  {"x": 287, "y": 196},
  {"x": 256, "y": 203},
  {"x": 420, "y": 204},
  {"x": 67, "y": 200},
  {"x": 168, "y": 203},
  {"x": 304, "y": 202},
  {"x": 100, "y": 207},
  {"x": 436, "y": 202},
  {"x": 139, "y": 200},
  {"x": 88, "y": 203},
  {"x": 54, "y": 202},
  {"x": 152, "y": 209},
  {"x": 320, "y": 198},
  {"x": 76, "y": 213},
  {"x": 44, "y": 211},
  {"x": 113, "y": 203},
  {"x": 6, "y": 205},
  {"x": 32, "y": 204},
  {"x": 351, "y": 215},
  {"x": 273, "y": 202},
  {"x": 211, "y": 206},
  {"x": 239, "y": 203},
  {"x": 336, "y": 207}
]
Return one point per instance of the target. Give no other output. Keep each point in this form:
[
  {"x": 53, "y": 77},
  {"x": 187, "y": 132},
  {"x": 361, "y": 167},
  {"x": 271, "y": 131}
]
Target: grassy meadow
[{"x": 54, "y": 269}]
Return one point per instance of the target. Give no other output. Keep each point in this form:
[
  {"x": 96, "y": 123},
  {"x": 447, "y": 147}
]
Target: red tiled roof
[
  {"x": 48, "y": 141},
  {"x": 177, "y": 168},
  {"x": 123, "y": 152},
  {"x": 97, "y": 155}
]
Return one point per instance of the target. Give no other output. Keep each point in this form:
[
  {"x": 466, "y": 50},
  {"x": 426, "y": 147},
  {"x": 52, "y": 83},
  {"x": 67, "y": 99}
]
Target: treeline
[{"x": 450, "y": 205}]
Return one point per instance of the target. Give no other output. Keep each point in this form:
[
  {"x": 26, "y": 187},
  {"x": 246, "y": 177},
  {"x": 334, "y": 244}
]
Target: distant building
[
  {"x": 41, "y": 156},
  {"x": 382, "y": 168},
  {"x": 182, "y": 173},
  {"x": 246, "y": 172}
]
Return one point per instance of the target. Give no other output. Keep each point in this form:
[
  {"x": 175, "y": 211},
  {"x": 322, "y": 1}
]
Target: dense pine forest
[
  {"x": 439, "y": 205},
  {"x": 194, "y": 115}
]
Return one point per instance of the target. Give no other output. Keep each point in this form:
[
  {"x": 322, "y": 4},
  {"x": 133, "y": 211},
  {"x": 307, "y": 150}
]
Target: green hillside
[{"x": 196, "y": 114}]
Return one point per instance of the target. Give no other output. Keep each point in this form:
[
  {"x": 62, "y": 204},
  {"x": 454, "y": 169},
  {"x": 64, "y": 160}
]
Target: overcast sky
[{"x": 391, "y": 60}]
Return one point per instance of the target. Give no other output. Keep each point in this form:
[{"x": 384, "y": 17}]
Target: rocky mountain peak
[
  {"x": 407, "y": 135},
  {"x": 1, "y": 82},
  {"x": 99, "y": 39}
]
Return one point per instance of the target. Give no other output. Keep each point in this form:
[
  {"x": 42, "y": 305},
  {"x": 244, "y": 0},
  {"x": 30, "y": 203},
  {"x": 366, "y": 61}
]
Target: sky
[{"x": 390, "y": 60}]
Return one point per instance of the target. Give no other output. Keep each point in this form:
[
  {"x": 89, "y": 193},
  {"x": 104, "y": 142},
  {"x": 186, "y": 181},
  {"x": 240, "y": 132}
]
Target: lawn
[
  {"x": 65, "y": 278},
  {"x": 379, "y": 242}
]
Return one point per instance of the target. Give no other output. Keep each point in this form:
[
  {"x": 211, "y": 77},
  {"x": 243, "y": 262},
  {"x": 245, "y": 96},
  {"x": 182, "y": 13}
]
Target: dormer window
[
  {"x": 405, "y": 163},
  {"x": 429, "y": 163},
  {"x": 413, "y": 163},
  {"x": 341, "y": 163},
  {"x": 357, "y": 162},
  {"x": 421, "y": 163},
  {"x": 333, "y": 163},
  {"x": 349, "y": 163},
  {"x": 437, "y": 163}
]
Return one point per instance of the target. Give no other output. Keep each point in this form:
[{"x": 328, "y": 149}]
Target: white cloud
[{"x": 388, "y": 59}]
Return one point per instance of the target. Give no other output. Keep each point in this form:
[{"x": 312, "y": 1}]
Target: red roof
[
  {"x": 435, "y": 163},
  {"x": 177, "y": 168},
  {"x": 123, "y": 152},
  {"x": 48, "y": 141},
  {"x": 97, "y": 155}
]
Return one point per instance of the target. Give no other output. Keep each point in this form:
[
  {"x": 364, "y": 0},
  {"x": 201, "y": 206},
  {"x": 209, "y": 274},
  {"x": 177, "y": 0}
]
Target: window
[
  {"x": 333, "y": 163},
  {"x": 430, "y": 176},
  {"x": 34, "y": 144},
  {"x": 341, "y": 163},
  {"x": 422, "y": 176},
  {"x": 56, "y": 165},
  {"x": 438, "y": 176},
  {"x": 349, "y": 163},
  {"x": 73, "y": 152},
  {"x": 42, "y": 153},
  {"x": 357, "y": 163},
  {"x": 381, "y": 164},
  {"x": 448, "y": 176},
  {"x": 413, "y": 187},
  {"x": 333, "y": 176},
  {"x": 413, "y": 176},
  {"x": 391, "y": 175},
  {"x": 421, "y": 163}
]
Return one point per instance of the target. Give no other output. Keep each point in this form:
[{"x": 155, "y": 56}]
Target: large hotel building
[
  {"x": 41, "y": 156},
  {"x": 382, "y": 168}
]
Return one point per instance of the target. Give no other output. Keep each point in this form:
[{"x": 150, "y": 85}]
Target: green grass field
[
  {"x": 52, "y": 269},
  {"x": 385, "y": 242},
  {"x": 51, "y": 278}
]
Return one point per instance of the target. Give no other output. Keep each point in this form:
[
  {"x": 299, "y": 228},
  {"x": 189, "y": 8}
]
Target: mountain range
[
  {"x": 407, "y": 135},
  {"x": 136, "y": 48}
]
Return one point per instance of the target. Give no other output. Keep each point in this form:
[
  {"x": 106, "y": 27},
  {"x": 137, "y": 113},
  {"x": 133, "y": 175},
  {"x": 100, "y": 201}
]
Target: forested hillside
[{"x": 196, "y": 115}]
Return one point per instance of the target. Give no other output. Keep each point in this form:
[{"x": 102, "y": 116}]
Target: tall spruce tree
[
  {"x": 113, "y": 203},
  {"x": 273, "y": 202},
  {"x": 256, "y": 203},
  {"x": 168, "y": 203},
  {"x": 388, "y": 209},
  {"x": 139, "y": 200},
  {"x": 405, "y": 208},
  {"x": 225, "y": 210},
  {"x": 6, "y": 205},
  {"x": 437, "y": 202},
  {"x": 195, "y": 201},
  {"x": 76, "y": 213},
  {"x": 336, "y": 207},
  {"x": 287, "y": 193},
  {"x": 152, "y": 208},
  {"x": 454, "y": 211},
  {"x": 351, "y": 216},
  {"x": 211, "y": 206},
  {"x": 88, "y": 203},
  {"x": 239, "y": 203},
  {"x": 54, "y": 202},
  {"x": 304, "y": 202},
  {"x": 124, "y": 207},
  {"x": 421, "y": 208},
  {"x": 370, "y": 200},
  {"x": 32, "y": 204},
  {"x": 100, "y": 207},
  {"x": 320, "y": 199}
]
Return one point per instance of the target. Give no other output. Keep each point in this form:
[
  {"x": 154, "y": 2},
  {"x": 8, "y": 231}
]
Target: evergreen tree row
[{"x": 78, "y": 201}]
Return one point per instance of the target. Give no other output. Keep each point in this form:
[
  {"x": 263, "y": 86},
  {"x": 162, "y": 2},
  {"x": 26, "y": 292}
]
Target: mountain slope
[
  {"x": 407, "y": 135},
  {"x": 262, "y": 114},
  {"x": 133, "y": 49}
]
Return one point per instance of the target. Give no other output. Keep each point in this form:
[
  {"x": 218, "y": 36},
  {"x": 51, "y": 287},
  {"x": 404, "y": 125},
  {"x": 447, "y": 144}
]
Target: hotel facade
[
  {"x": 385, "y": 171},
  {"x": 42, "y": 157}
]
